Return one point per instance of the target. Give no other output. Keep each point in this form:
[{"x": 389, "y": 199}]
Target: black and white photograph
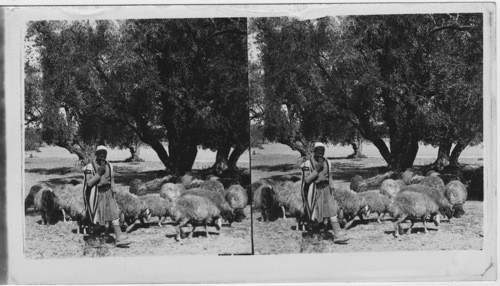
[
  {"x": 367, "y": 133},
  {"x": 136, "y": 137},
  {"x": 209, "y": 143}
]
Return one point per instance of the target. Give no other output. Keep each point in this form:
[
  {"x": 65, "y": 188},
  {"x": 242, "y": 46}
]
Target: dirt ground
[
  {"x": 277, "y": 162},
  {"x": 61, "y": 240}
]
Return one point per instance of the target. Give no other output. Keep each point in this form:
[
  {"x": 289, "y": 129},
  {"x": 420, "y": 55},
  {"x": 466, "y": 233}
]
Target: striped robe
[
  {"x": 90, "y": 194},
  {"x": 309, "y": 193}
]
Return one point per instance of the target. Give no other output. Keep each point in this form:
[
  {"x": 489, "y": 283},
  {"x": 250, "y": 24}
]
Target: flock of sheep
[
  {"x": 188, "y": 200},
  {"x": 405, "y": 196}
]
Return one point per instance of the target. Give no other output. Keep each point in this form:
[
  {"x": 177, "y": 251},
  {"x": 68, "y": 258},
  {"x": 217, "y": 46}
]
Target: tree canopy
[
  {"x": 393, "y": 78},
  {"x": 183, "y": 81}
]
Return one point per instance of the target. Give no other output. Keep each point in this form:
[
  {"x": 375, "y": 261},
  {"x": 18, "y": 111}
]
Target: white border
[{"x": 301, "y": 268}]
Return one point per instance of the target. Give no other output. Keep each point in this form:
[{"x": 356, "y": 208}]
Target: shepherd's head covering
[
  {"x": 319, "y": 144},
  {"x": 101, "y": 148}
]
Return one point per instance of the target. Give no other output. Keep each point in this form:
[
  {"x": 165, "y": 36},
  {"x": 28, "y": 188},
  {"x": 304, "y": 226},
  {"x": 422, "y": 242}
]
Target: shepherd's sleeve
[
  {"x": 91, "y": 180},
  {"x": 309, "y": 174},
  {"x": 112, "y": 178}
]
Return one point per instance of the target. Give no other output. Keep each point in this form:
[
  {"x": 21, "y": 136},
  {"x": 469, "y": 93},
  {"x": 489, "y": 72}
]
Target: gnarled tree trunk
[
  {"x": 443, "y": 158},
  {"x": 235, "y": 156},
  {"x": 455, "y": 154}
]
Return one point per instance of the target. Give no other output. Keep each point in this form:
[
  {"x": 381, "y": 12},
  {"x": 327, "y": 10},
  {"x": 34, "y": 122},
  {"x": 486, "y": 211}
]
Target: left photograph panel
[{"x": 136, "y": 137}]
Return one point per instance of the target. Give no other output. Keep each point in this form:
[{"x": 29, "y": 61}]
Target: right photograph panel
[{"x": 367, "y": 133}]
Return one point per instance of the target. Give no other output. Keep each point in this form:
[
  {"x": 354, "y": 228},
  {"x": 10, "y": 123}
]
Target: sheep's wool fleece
[{"x": 414, "y": 204}]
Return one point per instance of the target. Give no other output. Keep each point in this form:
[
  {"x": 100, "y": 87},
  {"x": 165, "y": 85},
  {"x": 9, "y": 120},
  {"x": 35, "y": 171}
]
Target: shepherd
[
  {"x": 317, "y": 196},
  {"x": 99, "y": 196}
]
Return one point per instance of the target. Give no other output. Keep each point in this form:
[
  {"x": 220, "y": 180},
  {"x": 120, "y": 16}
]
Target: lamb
[
  {"x": 349, "y": 206},
  {"x": 413, "y": 206},
  {"x": 358, "y": 184},
  {"x": 156, "y": 206},
  {"x": 69, "y": 200},
  {"x": 445, "y": 208},
  {"x": 194, "y": 210},
  {"x": 171, "y": 191},
  {"x": 417, "y": 179},
  {"x": 237, "y": 198},
  {"x": 44, "y": 202},
  {"x": 212, "y": 185},
  {"x": 456, "y": 193},
  {"x": 196, "y": 183},
  {"x": 390, "y": 188},
  {"x": 132, "y": 209},
  {"x": 376, "y": 203}
]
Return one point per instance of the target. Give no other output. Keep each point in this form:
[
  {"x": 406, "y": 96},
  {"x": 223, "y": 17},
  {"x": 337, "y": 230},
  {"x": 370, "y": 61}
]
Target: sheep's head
[
  {"x": 458, "y": 211},
  {"x": 228, "y": 215},
  {"x": 448, "y": 212}
]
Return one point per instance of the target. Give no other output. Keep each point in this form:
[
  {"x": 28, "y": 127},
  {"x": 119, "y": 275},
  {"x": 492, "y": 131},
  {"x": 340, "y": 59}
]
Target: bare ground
[
  {"x": 277, "y": 163},
  {"x": 61, "y": 240}
]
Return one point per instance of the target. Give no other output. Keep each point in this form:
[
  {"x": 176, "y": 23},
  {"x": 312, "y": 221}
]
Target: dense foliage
[
  {"x": 398, "y": 80},
  {"x": 183, "y": 81}
]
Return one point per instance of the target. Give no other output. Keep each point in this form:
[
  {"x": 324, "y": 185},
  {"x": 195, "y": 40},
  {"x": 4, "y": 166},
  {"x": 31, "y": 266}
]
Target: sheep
[
  {"x": 376, "y": 180},
  {"x": 44, "y": 202},
  {"x": 194, "y": 210},
  {"x": 69, "y": 200},
  {"x": 390, "y": 188},
  {"x": 237, "y": 198},
  {"x": 349, "y": 206},
  {"x": 288, "y": 196},
  {"x": 434, "y": 182},
  {"x": 196, "y": 183},
  {"x": 132, "y": 209},
  {"x": 134, "y": 186},
  {"x": 171, "y": 191},
  {"x": 417, "y": 179},
  {"x": 376, "y": 203},
  {"x": 212, "y": 185},
  {"x": 413, "y": 206},
  {"x": 217, "y": 198},
  {"x": 187, "y": 179},
  {"x": 456, "y": 193},
  {"x": 267, "y": 201},
  {"x": 30, "y": 198},
  {"x": 150, "y": 187},
  {"x": 445, "y": 208},
  {"x": 407, "y": 176},
  {"x": 156, "y": 206},
  {"x": 358, "y": 184}
]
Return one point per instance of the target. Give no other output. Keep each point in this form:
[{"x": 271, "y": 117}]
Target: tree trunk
[
  {"x": 221, "y": 159},
  {"x": 357, "y": 146},
  {"x": 160, "y": 151},
  {"x": 182, "y": 157},
  {"x": 443, "y": 158},
  {"x": 135, "y": 151},
  {"x": 455, "y": 154},
  {"x": 235, "y": 156},
  {"x": 84, "y": 154}
]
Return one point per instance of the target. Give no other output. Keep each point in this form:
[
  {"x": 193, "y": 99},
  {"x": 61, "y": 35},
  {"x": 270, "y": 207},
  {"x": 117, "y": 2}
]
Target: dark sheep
[
  {"x": 456, "y": 193},
  {"x": 44, "y": 202},
  {"x": 268, "y": 203},
  {"x": 30, "y": 198},
  {"x": 413, "y": 206},
  {"x": 358, "y": 184}
]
